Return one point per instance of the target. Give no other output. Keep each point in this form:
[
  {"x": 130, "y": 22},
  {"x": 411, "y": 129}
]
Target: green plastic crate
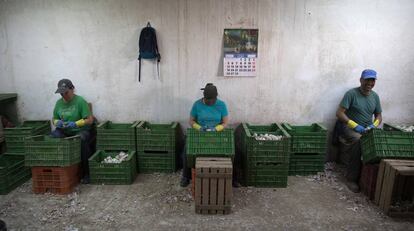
[
  {"x": 150, "y": 162},
  {"x": 266, "y": 175},
  {"x": 157, "y": 137},
  {"x": 47, "y": 151},
  {"x": 307, "y": 138},
  {"x": 306, "y": 164},
  {"x": 112, "y": 173},
  {"x": 15, "y": 136},
  {"x": 277, "y": 151},
  {"x": 209, "y": 144},
  {"x": 13, "y": 173},
  {"x": 116, "y": 136},
  {"x": 377, "y": 144}
]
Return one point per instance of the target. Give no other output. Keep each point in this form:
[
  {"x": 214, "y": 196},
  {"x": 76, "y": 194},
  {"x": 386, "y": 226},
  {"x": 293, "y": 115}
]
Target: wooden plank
[
  {"x": 390, "y": 189},
  {"x": 378, "y": 187},
  {"x": 214, "y": 175},
  {"x": 220, "y": 190},
  {"x": 205, "y": 196},
  {"x": 213, "y": 189},
  {"x": 198, "y": 190},
  {"x": 229, "y": 188},
  {"x": 384, "y": 185}
]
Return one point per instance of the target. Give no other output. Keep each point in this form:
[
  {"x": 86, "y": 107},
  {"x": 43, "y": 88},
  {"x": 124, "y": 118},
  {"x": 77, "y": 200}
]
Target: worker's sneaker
[
  {"x": 184, "y": 182},
  {"x": 85, "y": 180},
  {"x": 352, "y": 186}
]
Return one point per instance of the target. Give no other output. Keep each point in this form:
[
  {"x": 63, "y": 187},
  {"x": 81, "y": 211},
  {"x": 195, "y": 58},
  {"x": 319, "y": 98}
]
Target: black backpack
[{"x": 148, "y": 47}]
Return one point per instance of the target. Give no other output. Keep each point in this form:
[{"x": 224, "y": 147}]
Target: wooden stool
[
  {"x": 395, "y": 178},
  {"x": 213, "y": 185}
]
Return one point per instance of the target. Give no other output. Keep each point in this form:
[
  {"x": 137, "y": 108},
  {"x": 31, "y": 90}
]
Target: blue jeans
[{"x": 86, "y": 152}]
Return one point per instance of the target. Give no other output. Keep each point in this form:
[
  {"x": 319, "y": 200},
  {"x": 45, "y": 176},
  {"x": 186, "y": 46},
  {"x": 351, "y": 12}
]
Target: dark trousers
[
  {"x": 86, "y": 150},
  {"x": 186, "y": 170},
  {"x": 353, "y": 143}
]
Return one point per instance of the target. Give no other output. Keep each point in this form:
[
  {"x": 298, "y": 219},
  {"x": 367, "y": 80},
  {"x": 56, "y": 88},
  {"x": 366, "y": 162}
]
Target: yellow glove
[
  {"x": 352, "y": 124},
  {"x": 376, "y": 123},
  {"x": 196, "y": 126},
  {"x": 80, "y": 123},
  {"x": 219, "y": 128}
]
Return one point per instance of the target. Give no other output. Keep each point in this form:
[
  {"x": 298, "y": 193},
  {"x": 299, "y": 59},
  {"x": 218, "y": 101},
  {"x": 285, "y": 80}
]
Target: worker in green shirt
[
  {"x": 72, "y": 116},
  {"x": 359, "y": 111}
]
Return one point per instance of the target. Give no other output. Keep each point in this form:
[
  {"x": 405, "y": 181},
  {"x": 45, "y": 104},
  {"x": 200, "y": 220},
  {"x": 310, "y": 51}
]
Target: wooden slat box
[
  {"x": 213, "y": 186},
  {"x": 395, "y": 183}
]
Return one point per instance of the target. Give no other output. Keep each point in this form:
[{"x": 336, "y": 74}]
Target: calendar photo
[{"x": 240, "y": 52}]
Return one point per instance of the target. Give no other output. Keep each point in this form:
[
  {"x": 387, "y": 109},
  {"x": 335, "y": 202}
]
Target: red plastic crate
[
  {"x": 57, "y": 180},
  {"x": 368, "y": 180}
]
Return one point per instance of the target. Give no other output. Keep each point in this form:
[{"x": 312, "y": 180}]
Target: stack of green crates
[
  {"x": 308, "y": 148},
  {"x": 158, "y": 146},
  {"x": 209, "y": 144},
  {"x": 15, "y": 136},
  {"x": 112, "y": 173},
  {"x": 13, "y": 173},
  {"x": 389, "y": 142},
  {"x": 111, "y": 139},
  {"x": 265, "y": 162},
  {"x": 48, "y": 151}
]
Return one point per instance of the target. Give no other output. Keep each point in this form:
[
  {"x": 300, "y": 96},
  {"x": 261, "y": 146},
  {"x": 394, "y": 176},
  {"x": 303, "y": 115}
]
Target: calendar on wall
[{"x": 240, "y": 52}]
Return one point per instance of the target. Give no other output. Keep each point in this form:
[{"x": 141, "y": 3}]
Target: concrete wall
[{"x": 310, "y": 53}]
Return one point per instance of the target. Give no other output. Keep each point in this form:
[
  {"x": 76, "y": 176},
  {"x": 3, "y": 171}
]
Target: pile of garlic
[
  {"x": 406, "y": 128},
  {"x": 266, "y": 137},
  {"x": 122, "y": 156}
]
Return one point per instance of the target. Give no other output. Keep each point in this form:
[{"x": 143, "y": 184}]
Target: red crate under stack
[
  {"x": 368, "y": 180},
  {"x": 57, "y": 180}
]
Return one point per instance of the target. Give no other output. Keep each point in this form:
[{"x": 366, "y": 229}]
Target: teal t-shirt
[
  {"x": 77, "y": 108},
  {"x": 360, "y": 108},
  {"x": 209, "y": 116}
]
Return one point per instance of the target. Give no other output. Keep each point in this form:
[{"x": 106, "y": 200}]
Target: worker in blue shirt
[{"x": 207, "y": 114}]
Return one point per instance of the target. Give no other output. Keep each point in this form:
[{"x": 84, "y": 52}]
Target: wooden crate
[
  {"x": 213, "y": 186},
  {"x": 395, "y": 182},
  {"x": 368, "y": 179}
]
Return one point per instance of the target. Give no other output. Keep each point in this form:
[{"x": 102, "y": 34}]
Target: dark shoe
[
  {"x": 236, "y": 184},
  {"x": 184, "y": 182},
  {"x": 85, "y": 180},
  {"x": 352, "y": 186}
]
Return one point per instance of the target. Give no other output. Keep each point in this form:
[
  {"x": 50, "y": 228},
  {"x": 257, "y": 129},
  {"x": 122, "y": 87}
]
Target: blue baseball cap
[{"x": 369, "y": 74}]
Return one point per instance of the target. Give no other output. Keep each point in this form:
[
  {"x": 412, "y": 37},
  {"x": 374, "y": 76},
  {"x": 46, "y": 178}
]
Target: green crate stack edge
[
  {"x": 158, "y": 146},
  {"x": 112, "y": 173},
  {"x": 43, "y": 150},
  {"x": 14, "y": 137},
  {"x": 111, "y": 139},
  {"x": 308, "y": 148},
  {"x": 13, "y": 173},
  {"x": 389, "y": 142},
  {"x": 209, "y": 144},
  {"x": 265, "y": 163}
]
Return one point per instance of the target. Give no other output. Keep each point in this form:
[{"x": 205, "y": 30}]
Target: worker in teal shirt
[
  {"x": 359, "y": 111},
  {"x": 207, "y": 114}
]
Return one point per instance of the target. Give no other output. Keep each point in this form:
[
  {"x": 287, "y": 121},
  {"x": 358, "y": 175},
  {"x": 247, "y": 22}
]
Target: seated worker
[
  {"x": 355, "y": 112},
  {"x": 72, "y": 116},
  {"x": 207, "y": 114}
]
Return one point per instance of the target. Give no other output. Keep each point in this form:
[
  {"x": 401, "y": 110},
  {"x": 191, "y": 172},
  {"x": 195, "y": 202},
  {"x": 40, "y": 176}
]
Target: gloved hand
[
  {"x": 71, "y": 124},
  {"x": 374, "y": 125},
  {"x": 219, "y": 128},
  {"x": 359, "y": 129},
  {"x": 196, "y": 126},
  {"x": 59, "y": 123},
  {"x": 356, "y": 127}
]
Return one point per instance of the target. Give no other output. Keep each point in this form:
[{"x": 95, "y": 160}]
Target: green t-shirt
[
  {"x": 360, "y": 108},
  {"x": 77, "y": 108}
]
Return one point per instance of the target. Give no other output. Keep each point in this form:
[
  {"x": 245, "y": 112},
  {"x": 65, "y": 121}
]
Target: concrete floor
[{"x": 157, "y": 202}]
